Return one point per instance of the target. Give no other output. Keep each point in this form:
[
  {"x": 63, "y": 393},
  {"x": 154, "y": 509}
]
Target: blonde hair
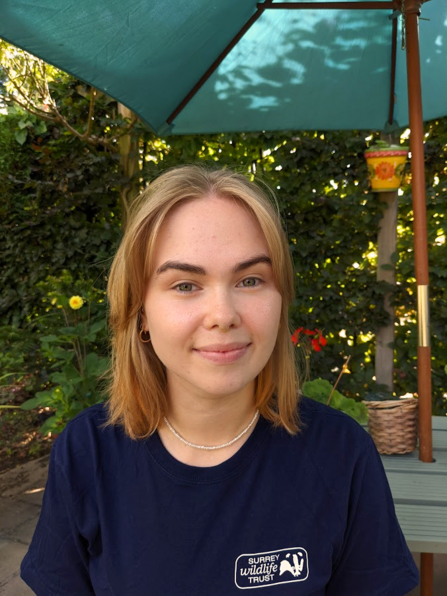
[{"x": 138, "y": 387}]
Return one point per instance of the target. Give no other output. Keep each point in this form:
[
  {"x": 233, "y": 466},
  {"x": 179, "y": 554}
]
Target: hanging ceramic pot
[{"x": 386, "y": 165}]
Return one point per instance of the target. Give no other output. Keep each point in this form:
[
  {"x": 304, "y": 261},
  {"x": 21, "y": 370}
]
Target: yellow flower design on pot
[{"x": 385, "y": 170}]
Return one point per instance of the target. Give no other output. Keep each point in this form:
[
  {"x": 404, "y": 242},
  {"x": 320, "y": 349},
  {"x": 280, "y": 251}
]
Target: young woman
[{"x": 204, "y": 473}]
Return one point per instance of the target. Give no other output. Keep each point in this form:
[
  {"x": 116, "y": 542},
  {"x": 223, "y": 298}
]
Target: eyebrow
[{"x": 188, "y": 268}]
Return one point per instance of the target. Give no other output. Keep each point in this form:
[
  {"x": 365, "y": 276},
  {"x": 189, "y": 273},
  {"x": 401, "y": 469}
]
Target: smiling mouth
[{"x": 223, "y": 354}]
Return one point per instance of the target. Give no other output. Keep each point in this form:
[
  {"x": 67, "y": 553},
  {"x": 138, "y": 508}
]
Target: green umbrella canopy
[{"x": 291, "y": 69}]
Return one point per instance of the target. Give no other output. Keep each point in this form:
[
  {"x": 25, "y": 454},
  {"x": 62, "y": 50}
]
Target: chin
[{"x": 225, "y": 390}]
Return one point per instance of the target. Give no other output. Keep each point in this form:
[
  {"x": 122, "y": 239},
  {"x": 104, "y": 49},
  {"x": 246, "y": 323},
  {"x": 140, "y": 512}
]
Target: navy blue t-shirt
[{"x": 306, "y": 515}]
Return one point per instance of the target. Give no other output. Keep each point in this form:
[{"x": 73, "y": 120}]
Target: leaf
[
  {"x": 43, "y": 398},
  {"x": 102, "y": 366},
  {"x": 40, "y": 128},
  {"x": 71, "y": 372},
  {"x": 92, "y": 361},
  {"x": 58, "y": 377},
  {"x": 20, "y": 136},
  {"x": 394, "y": 258},
  {"x": 337, "y": 400},
  {"x": 98, "y": 326},
  {"x": 62, "y": 354},
  {"x": 68, "y": 330},
  {"x": 81, "y": 329},
  {"x": 68, "y": 390},
  {"x": 318, "y": 389},
  {"x": 50, "y": 425},
  {"x": 48, "y": 338}
]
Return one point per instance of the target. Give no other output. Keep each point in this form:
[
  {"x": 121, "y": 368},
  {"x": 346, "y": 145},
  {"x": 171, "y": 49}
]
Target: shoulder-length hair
[{"x": 138, "y": 385}]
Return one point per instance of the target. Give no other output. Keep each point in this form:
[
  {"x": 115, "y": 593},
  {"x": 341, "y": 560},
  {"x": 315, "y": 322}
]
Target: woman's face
[{"x": 212, "y": 307}]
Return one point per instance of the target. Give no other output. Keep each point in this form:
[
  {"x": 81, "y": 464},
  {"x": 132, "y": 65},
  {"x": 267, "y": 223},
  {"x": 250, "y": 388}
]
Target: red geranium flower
[
  {"x": 312, "y": 339},
  {"x": 322, "y": 340},
  {"x": 296, "y": 335},
  {"x": 316, "y": 346}
]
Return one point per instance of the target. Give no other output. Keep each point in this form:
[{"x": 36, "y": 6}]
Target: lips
[{"x": 223, "y": 353}]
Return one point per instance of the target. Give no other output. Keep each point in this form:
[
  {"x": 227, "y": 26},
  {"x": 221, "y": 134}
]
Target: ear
[{"x": 142, "y": 320}]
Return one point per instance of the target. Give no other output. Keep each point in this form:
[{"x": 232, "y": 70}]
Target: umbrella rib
[
  {"x": 331, "y": 5},
  {"x": 260, "y": 9},
  {"x": 393, "y": 72}
]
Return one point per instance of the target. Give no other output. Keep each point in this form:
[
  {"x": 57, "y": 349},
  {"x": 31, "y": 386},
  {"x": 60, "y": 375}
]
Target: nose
[{"x": 222, "y": 311}]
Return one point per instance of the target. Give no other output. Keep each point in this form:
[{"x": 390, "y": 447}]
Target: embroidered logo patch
[{"x": 274, "y": 567}]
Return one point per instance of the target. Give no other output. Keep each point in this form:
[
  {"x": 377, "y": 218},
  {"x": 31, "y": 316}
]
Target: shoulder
[
  {"x": 332, "y": 455},
  {"x": 330, "y": 444},
  {"x": 95, "y": 416},
  {"x": 331, "y": 447},
  {"x": 329, "y": 427},
  {"x": 85, "y": 427},
  {"x": 88, "y": 440}
]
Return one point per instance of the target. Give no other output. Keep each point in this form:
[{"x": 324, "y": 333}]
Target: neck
[{"x": 207, "y": 421}]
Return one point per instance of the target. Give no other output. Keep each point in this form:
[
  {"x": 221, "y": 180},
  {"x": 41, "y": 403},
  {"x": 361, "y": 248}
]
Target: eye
[
  {"x": 250, "y": 282},
  {"x": 185, "y": 288}
]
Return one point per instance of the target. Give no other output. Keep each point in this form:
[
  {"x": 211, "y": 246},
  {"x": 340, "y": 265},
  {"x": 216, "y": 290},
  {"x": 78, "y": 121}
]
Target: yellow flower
[{"x": 75, "y": 302}]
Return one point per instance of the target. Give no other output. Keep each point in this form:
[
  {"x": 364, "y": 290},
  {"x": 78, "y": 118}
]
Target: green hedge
[{"x": 60, "y": 211}]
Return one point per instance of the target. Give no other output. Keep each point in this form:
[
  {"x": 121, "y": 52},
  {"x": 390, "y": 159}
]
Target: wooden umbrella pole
[{"x": 412, "y": 11}]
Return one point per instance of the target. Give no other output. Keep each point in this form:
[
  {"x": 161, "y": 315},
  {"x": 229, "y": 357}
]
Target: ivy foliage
[
  {"x": 60, "y": 210},
  {"x": 59, "y": 207}
]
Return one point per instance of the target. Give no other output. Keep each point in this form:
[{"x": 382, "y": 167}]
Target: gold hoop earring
[{"x": 144, "y": 341}]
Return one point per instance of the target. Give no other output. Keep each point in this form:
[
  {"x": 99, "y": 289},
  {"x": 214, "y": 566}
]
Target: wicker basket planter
[{"x": 393, "y": 425}]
